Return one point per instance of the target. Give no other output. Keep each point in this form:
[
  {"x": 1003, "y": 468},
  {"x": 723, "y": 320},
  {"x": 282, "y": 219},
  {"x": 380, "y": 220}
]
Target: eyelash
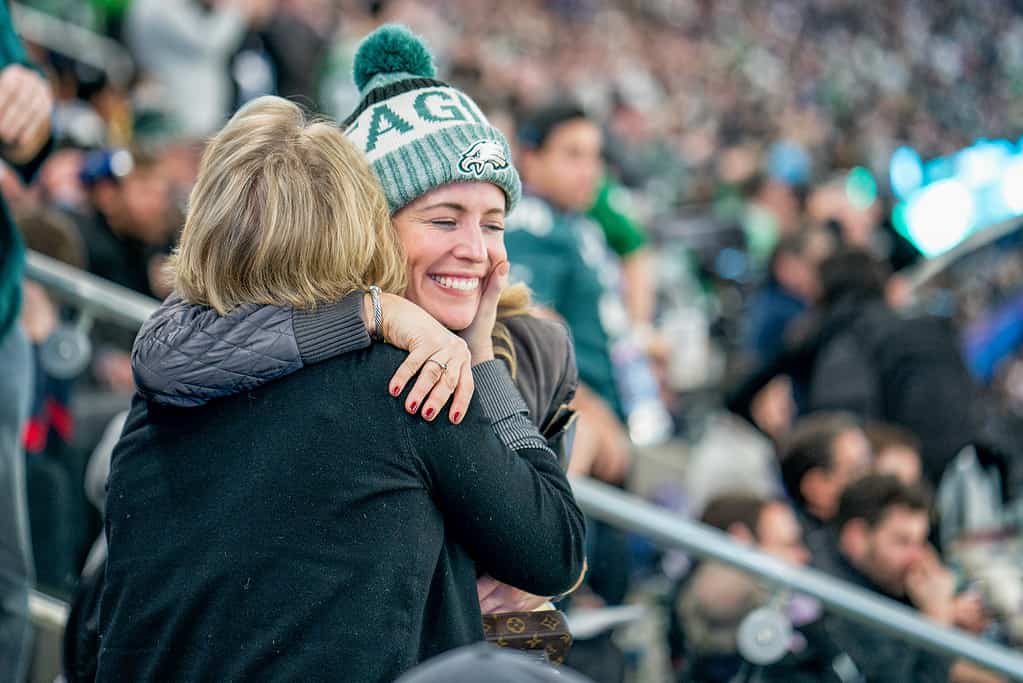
[{"x": 448, "y": 224}]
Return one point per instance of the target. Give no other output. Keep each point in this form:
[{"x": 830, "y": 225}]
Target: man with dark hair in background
[
  {"x": 127, "y": 238},
  {"x": 563, "y": 256},
  {"x": 881, "y": 534},
  {"x": 791, "y": 287},
  {"x": 896, "y": 451},
  {"x": 822, "y": 455},
  {"x": 129, "y": 225},
  {"x": 25, "y": 107}
]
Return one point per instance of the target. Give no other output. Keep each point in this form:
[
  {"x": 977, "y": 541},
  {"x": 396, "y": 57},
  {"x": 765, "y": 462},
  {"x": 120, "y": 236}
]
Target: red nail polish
[
  {"x": 428, "y": 414},
  {"x": 412, "y": 408},
  {"x": 395, "y": 390},
  {"x": 456, "y": 417}
]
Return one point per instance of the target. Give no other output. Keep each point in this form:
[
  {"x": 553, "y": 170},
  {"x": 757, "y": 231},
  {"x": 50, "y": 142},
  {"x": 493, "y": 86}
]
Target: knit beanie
[{"x": 419, "y": 133}]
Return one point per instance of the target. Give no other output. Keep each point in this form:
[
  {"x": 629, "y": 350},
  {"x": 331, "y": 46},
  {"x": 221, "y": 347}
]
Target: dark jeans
[{"x": 16, "y": 573}]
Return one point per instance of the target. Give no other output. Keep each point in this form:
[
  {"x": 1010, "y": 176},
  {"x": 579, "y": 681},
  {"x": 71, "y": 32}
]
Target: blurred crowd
[{"x": 854, "y": 422}]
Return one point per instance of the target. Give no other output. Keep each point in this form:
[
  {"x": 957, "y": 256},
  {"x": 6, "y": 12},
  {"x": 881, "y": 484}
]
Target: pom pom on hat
[{"x": 392, "y": 49}]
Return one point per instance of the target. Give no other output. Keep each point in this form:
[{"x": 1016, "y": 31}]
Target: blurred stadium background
[{"x": 731, "y": 128}]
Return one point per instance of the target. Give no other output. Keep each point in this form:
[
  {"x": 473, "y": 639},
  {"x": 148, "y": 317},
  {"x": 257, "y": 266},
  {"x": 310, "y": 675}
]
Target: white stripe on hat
[{"x": 405, "y": 118}]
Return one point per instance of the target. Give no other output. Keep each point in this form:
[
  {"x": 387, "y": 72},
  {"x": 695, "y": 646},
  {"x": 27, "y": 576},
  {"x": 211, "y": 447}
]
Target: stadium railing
[
  {"x": 81, "y": 44},
  {"x": 622, "y": 510}
]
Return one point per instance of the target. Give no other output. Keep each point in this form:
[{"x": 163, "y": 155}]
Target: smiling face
[{"x": 453, "y": 237}]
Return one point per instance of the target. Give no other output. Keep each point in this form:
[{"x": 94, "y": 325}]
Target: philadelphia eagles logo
[{"x": 483, "y": 152}]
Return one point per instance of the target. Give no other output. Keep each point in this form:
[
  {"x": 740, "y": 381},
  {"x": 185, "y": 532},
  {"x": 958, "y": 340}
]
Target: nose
[{"x": 470, "y": 243}]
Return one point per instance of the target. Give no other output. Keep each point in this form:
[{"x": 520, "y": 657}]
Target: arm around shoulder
[
  {"x": 186, "y": 354},
  {"x": 512, "y": 509}
]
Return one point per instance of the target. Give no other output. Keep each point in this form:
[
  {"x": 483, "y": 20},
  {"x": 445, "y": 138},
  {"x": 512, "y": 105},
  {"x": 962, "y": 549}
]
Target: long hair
[
  {"x": 285, "y": 211},
  {"x": 514, "y": 301}
]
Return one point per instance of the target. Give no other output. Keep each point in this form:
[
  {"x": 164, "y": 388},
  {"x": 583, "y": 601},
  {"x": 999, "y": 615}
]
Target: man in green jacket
[{"x": 25, "y": 106}]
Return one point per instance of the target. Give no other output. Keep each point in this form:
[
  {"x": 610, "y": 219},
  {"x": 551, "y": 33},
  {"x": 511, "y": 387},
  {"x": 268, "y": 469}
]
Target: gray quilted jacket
[{"x": 187, "y": 355}]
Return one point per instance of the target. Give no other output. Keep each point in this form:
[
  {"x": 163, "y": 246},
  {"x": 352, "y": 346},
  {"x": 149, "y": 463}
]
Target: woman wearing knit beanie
[
  {"x": 448, "y": 182},
  {"x": 310, "y": 528},
  {"x": 434, "y": 153}
]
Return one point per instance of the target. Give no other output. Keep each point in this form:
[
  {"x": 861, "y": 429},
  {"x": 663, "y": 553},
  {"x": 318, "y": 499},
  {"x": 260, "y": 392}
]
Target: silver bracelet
[{"x": 378, "y": 313}]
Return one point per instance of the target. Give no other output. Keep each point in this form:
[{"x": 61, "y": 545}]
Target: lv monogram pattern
[{"x": 545, "y": 630}]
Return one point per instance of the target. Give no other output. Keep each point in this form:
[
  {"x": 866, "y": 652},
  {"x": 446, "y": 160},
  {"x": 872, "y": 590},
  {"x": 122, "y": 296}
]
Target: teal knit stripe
[{"x": 412, "y": 170}]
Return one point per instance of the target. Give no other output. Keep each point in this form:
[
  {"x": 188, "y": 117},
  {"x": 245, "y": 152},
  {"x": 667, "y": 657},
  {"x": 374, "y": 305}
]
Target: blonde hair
[
  {"x": 285, "y": 211},
  {"x": 515, "y": 300}
]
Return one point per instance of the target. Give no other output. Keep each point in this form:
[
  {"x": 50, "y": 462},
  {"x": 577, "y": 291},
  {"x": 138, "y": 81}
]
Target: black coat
[
  {"x": 869, "y": 361},
  {"x": 879, "y": 657},
  {"x": 312, "y": 530}
]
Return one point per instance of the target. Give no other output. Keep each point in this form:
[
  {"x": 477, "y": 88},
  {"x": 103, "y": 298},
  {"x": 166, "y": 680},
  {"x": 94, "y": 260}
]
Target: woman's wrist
[{"x": 481, "y": 352}]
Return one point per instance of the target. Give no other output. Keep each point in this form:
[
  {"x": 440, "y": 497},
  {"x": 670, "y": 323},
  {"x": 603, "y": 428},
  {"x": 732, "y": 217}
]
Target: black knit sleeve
[
  {"x": 513, "y": 510},
  {"x": 327, "y": 331}
]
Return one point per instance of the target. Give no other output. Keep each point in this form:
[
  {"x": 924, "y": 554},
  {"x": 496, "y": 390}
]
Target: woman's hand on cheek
[
  {"x": 479, "y": 333},
  {"x": 431, "y": 347}
]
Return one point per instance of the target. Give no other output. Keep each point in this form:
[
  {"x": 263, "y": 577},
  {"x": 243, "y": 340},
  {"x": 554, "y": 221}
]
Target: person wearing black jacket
[
  {"x": 311, "y": 528},
  {"x": 879, "y": 543},
  {"x": 862, "y": 357},
  {"x": 27, "y": 103}
]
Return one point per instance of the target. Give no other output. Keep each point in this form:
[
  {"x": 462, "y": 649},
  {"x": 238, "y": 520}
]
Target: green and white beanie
[{"x": 417, "y": 132}]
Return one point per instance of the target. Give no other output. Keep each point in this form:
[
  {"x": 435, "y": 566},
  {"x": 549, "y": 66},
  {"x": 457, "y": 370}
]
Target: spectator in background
[
  {"x": 127, "y": 237},
  {"x": 896, "y": 452},
  {"x": 861, "y": 357},
  {"x": 713, "y": 599},
  {"x": 791, "y": 288},
  {"x": 186, "y": 45},
  {"x": 881, "y": 536},
  {"x": 876, "y": 364},
  {"x": 129, "y": 225},
  {"x": 60, "y": 518},
  {"x": 612, "y": 211},
  {"x": 822, "y": 455},
  {"x": 563, "y": 257},
  {"x": 25, "y": 106}
]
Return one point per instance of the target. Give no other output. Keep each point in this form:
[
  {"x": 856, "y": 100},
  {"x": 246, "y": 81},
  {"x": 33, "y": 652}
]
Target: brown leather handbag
[{"x": 543, "y": 633}]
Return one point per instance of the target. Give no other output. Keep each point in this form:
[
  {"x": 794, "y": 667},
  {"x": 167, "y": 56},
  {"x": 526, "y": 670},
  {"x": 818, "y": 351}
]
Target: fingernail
[
  {"x": 412, "y": 408},
  {"x": 428, "y": 414},
  {"x": 395, "y": 390},
  {"x": 457, "y": 417}
]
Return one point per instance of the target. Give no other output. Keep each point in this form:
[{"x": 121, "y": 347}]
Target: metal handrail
[
  {"x": 669, "y": 530},
  {"x": 629, "y": 512},
  {"x": 73, "y": 41},
  {"x": 99, "y": 297}
]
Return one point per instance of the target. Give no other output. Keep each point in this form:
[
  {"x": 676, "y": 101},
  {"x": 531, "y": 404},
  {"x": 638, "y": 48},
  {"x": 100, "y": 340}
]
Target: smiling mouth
[{"x": 461, "y": 284}]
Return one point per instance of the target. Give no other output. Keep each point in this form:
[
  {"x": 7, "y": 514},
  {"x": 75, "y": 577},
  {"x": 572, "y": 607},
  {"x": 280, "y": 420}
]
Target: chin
[{"x": 456, "y": 321}]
